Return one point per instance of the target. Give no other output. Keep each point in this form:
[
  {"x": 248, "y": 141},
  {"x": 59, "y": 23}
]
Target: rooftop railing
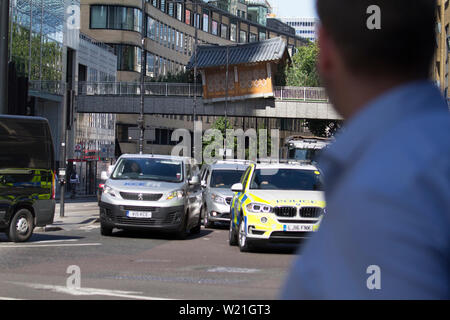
[
  {"x": 306, "y": 94},
  {"x": 49, "y": 87}
]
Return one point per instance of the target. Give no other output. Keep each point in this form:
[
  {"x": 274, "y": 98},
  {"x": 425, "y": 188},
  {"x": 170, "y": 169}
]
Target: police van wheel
[
  {"x": 21, "y": 226},
  {"x": 198, "y": 227},
  {"x": 182, "y": 233},
  {"x": 105, "y": 231}
]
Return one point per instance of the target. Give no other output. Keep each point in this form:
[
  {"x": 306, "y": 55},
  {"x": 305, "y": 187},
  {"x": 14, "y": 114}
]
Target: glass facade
[
  {"x": 172, "y": 36},
  {"x": 36, "y": 34}
]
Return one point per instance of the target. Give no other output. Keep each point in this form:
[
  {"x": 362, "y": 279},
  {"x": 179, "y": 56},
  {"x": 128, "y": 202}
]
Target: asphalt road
[{"x": 139, "y": 265}]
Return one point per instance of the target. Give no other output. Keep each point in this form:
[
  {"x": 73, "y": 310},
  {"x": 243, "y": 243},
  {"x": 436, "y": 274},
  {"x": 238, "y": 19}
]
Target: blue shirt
[{"x": 386, "y": 232}]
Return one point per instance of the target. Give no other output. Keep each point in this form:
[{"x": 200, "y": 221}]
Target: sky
[{"x": 294, "y": 8}]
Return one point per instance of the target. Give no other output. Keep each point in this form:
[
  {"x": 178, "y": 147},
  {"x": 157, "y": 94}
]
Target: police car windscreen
[{"x": 286, "y": 179}]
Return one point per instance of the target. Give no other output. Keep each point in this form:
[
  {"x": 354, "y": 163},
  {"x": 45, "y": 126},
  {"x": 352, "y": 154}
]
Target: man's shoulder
[{"x": 415, "y": 147}]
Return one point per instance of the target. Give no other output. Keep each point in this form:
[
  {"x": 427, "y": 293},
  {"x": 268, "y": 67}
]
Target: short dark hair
[{"x": 405, "y": 43}]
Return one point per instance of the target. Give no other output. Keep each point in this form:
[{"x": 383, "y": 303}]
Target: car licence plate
[
  {"x": 300, "y": 227},
  {"x": 139, "y": 214}
]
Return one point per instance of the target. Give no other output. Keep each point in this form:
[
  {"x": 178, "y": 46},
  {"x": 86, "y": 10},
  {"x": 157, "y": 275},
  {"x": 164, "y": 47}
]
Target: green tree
[
  {"x": 303, "y": 70},
  {"x": 323, "y": 128}
]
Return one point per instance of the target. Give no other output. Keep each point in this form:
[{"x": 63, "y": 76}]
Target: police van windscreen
[{"x": 148, "y": 169}]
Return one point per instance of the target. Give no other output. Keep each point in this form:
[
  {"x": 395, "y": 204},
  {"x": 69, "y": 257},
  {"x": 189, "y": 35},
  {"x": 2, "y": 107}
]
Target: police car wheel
[
  {"x": 244, "y": 244},
  {"x": 21, "y": 226},
  {"x": 232, "y": 238}
]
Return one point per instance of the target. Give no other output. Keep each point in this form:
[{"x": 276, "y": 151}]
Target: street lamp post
[{"x": 141, "y": 120}]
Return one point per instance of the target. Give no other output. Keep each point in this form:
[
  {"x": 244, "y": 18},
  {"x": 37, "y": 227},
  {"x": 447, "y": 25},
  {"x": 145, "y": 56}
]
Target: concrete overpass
[{"x": 179, "y": 99}]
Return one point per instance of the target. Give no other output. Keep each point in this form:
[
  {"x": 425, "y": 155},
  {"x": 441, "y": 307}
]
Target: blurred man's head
[{"x": 354, "y": 50}]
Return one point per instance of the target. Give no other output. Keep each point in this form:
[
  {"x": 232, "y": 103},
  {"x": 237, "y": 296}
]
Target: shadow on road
[
  {"x": 158, "y": 235},
  {"x": 38, "y": 237}
]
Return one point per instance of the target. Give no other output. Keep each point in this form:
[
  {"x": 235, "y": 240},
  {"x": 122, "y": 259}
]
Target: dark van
[{"x": 27, "y": 176}]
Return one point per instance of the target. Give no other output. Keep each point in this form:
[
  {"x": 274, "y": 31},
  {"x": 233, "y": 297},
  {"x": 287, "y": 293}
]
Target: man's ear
[{"x": 325, "y": 63}]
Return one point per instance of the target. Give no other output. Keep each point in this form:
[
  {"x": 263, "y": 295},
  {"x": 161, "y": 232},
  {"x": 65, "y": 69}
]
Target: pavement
[{"x": 78, "y": 212}]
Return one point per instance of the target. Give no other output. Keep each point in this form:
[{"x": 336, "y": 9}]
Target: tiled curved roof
[{"x": 214, "y": 56}]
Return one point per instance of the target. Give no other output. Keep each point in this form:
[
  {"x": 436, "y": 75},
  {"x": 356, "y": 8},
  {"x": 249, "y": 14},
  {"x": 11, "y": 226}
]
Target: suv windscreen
[
  {"x": 148, "y": 169},
  {"x": 224, "y": 179},
  {"x": 303, "y": 154},
  {"x": 286, "y": 179}
]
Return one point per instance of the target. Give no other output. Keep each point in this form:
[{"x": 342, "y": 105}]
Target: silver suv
[
  {"x": 152, "y": 192},
  {"x": 217, "y": 180}
]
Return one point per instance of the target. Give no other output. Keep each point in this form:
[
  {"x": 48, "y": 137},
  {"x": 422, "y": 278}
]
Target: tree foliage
[
  {"x": 323, "y": 128},
  {"x": 303, "y": 70}
]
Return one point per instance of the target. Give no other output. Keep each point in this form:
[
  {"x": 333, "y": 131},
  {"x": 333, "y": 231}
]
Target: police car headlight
[
  {"x": 178, "y": 194},
  {"x": 110, "y": 191},
  {"x": 218, "y": 199},
  {"x": 259, "y": 208}
]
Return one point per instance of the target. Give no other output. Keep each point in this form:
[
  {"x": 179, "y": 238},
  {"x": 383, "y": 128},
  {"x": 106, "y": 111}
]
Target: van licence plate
[{"x": 139, "y": 214}]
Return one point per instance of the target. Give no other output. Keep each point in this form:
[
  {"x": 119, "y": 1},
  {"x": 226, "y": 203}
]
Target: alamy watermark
[
  {"x": 73, "y": 17},
  {"x": 212, "y": 146},
  {"x": 374, "y": 20},
  {"x": 374, "y": 280},
  {"x": 74, "y": 280}
]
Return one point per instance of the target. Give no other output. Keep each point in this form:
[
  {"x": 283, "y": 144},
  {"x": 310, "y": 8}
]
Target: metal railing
[
  {"x": 51, "y": 87},
  {"x": 134, "y": 88},
  {"x": 188, "y": 90},
  {"x": 301, "y": 94}
]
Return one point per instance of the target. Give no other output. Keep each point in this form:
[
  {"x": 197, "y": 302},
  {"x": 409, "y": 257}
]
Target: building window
[
  {"x": 128, "y": 57},
  {"x": 214, "y": 28},
  {"x": 205, "y": 22},
  {"x": 151, "y": 28},
  {"x": 197, "y": 20},
  {"x": 242, "y": 36},
  {"x": 224, "y": 31},
  {"x": 180, "y": 11},
  {"x": 262, "y": 36},
  {"x": 115, "y": 17},
  {"x": 253, "y": 37},
  {"x": 233, "y": 32},
  {"x": 188, "y": 17},
  {"x": 98, "y": 17}
]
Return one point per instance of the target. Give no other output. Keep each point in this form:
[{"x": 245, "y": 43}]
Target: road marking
[
  {"x": 90, "y": 227},
  {"x": 50, "y": 245},
  {"x": 52, "y": 241},
  {"x": 89, "y": 291},
  {"x": 233, "y": 270},
  {"x": 8, "y": 298}
]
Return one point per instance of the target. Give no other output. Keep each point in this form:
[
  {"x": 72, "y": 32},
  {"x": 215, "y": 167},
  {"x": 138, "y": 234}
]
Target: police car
[{"x": 276, "y": 202}]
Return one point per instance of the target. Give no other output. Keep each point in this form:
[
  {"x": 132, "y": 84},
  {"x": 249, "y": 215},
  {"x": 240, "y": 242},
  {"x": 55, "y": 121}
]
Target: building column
[{"x": 4, "y": 28}]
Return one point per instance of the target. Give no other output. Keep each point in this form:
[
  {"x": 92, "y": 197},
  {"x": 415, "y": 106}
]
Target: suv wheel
[
  {"x": 206, "y": 222},
  {"x": 21, "y": 226}
]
